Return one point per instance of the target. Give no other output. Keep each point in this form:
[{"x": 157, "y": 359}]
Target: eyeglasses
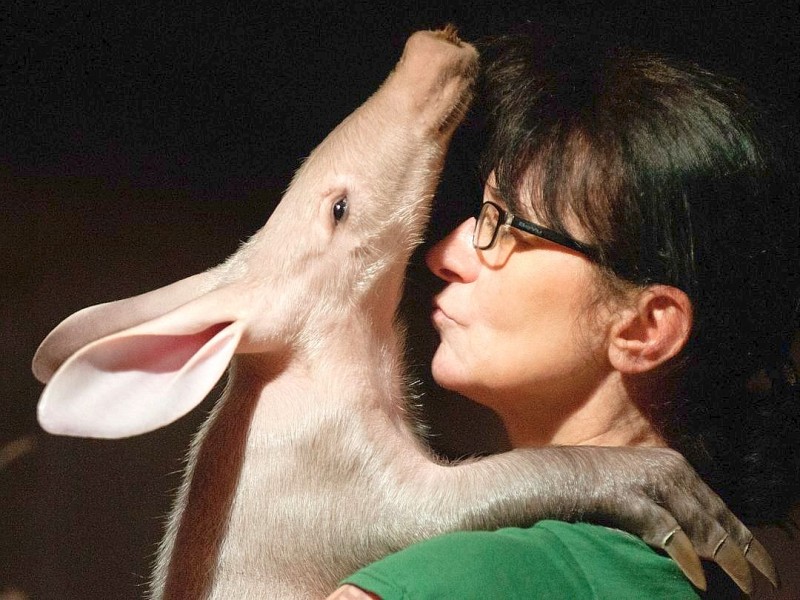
[{"x": 492, "y": 218}]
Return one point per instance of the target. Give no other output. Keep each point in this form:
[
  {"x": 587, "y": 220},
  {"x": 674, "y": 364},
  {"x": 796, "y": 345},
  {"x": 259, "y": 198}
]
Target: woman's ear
[{"x": 654, "y": 329}]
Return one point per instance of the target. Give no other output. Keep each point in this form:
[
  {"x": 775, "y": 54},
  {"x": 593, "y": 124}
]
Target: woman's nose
[{"x": 453, "y": 258}]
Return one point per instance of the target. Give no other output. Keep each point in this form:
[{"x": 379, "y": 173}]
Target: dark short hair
[{"x": 675, "y": 174}]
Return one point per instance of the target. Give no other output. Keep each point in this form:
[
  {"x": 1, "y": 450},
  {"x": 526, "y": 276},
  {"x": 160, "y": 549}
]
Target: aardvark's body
[{"x": 308, "y": 467}]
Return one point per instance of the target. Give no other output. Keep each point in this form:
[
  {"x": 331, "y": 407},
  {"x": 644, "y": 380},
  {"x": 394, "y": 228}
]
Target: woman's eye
[{"x": 340, "y": 209}]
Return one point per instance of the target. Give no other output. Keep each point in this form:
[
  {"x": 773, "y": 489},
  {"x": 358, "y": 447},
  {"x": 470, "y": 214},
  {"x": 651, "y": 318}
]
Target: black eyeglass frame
[{"x": 511, "y": 220}]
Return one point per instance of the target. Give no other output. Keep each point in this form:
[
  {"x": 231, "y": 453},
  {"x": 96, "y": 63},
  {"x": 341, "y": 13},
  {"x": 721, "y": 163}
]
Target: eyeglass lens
[{"x": 486, "y": 228}]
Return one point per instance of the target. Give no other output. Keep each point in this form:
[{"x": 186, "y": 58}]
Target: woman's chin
[
  {"x": 439, "y": 374},
  {"x": 446, "y": 372}
]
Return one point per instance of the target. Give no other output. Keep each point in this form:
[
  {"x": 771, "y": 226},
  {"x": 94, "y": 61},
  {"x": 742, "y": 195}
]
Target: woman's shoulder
[{"x": 551, "y": 559}]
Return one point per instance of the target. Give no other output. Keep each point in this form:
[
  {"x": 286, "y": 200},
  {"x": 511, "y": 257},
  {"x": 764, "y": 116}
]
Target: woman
[{"x": 631, "y": 279}]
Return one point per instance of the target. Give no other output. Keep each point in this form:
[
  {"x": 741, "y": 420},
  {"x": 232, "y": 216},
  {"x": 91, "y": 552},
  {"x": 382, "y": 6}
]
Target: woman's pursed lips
[{"x": 439, "y": 316}]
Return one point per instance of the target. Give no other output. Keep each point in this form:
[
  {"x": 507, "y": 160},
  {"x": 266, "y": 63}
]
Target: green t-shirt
[{"x": 550, "y": 560}]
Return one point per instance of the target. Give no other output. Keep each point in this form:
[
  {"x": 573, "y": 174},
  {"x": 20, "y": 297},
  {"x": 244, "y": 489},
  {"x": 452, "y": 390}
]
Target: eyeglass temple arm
[{"x": 549, "y": 234}]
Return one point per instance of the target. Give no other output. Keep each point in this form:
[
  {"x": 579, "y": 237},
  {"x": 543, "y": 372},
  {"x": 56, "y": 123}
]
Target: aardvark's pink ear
[{"x": 139, "y": 379}]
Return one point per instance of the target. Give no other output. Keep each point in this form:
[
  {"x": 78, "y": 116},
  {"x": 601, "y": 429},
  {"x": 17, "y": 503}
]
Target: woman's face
[{"x": 519, "y": 331}]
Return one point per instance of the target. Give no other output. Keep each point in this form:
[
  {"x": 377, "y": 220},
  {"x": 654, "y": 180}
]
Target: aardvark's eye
[{"x": 340, "y": 209}]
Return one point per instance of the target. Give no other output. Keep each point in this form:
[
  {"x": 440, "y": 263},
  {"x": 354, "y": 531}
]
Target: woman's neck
[{"x": 611, "y": 416}]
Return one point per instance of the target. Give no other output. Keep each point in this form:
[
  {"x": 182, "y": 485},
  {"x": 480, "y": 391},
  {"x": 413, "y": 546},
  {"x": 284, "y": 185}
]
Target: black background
[{"x": 141, "y": 141}]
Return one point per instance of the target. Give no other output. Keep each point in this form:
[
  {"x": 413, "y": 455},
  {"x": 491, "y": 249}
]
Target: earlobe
[{"x": 651, "y": 331}]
